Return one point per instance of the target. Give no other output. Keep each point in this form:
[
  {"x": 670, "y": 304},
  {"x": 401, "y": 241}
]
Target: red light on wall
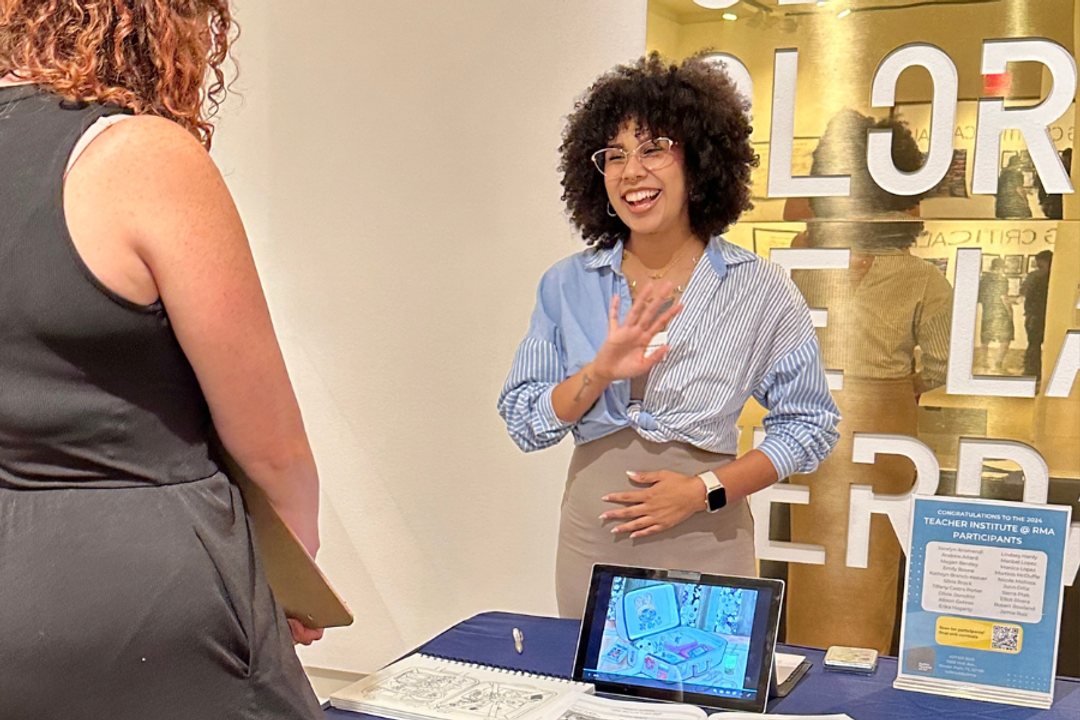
[{"x": 997, "y": 85}]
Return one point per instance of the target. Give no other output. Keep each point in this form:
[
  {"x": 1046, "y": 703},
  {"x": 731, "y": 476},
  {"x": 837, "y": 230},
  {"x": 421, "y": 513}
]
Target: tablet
[{"x": 680, "y": 636}]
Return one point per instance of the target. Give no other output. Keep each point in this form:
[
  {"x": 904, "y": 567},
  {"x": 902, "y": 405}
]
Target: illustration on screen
[{"x": 676, "y": 633}]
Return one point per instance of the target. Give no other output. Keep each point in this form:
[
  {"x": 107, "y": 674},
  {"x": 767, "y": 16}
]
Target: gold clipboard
[{"x": 299, "y": 586}]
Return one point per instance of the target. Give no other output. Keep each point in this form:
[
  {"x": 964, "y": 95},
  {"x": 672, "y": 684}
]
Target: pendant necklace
[{"x": 662, "y": 272}]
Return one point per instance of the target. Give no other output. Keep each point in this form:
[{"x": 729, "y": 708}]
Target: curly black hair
[
  {"x": 842, "y": 151},
  {"x": 693, "y": 103}
]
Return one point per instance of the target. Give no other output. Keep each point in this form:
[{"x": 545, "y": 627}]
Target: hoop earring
[{"x": 611, "y": 211}]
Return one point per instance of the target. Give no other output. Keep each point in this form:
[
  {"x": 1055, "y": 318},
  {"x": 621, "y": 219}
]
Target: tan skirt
[{"x": 718, "y": 543}]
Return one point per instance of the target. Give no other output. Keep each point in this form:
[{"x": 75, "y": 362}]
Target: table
[{"x": 550, "y": 643}]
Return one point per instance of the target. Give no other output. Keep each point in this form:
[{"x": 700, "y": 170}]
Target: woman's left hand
[{"x": 669, "y": 499}]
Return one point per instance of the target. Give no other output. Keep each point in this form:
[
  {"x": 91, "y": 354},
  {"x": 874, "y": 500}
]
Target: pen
[{"x": 519, "y": 640}]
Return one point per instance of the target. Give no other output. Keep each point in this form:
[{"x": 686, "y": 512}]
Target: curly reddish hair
[{"x": 154, "y": 57}]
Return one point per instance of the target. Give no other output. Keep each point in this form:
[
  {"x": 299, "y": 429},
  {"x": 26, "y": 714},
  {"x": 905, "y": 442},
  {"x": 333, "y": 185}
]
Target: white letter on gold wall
[
  {"x": 864, "y": 502},
  {"x": 736, "y": 72},
  {"x": 943, "y": 119},
  {"x": 973, "y": 451},
  {"x": 815, "y": 259},
  {"x": 1068, "y": 365},
  {"x": 1072, "y": 555},
  {"x": 761, "y": 508},
  {"x": 1032, "y": 122},
  {"x": 782, "y": 138}
]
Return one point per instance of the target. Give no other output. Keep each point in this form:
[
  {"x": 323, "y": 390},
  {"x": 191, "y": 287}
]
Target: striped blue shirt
[{"x": 745, "y": 331}]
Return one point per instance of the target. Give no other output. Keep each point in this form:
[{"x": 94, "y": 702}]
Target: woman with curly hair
[
  {"x": 648, "y": 344},
  {"x": 131, "y": 321}
]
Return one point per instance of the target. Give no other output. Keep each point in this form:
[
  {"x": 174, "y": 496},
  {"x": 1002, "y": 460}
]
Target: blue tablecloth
[{"x": 550, "y": 644}]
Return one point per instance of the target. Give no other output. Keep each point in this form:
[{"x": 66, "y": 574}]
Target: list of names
[{"x": 988, "y": 582}]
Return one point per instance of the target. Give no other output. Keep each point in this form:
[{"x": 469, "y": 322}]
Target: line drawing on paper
[
  {"x": 419, "y": 687},
  {"x": 449, "y": 692},
  {"x": 575, "y": 714},
  {"x": 500, "y": 701}
]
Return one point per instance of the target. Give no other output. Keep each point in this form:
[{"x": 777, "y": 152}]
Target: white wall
[{"x": 395, "y": 163}]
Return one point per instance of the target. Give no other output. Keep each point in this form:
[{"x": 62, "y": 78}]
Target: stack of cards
[{"x": 860, "y": 661}]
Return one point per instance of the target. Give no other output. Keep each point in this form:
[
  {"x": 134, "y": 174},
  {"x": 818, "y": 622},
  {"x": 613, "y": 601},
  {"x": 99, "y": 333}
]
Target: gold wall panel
[{"x": 838, "y": 55}]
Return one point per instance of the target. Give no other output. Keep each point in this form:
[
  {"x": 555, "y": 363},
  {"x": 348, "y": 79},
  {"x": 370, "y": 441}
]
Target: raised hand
[{"x": 622, "y": 355}]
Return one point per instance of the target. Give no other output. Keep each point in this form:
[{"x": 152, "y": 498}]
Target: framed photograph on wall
[
  {"x": 986, "y": 260},
  {"x": 1014, "y": 264},
  {"x": 1014, "y": 287},
  {"x": 953, "y": 184},
  {"x": 802, "y": 158},
  {"x": 766, "y": 239},
  {"x": 1032, "y": 265}
]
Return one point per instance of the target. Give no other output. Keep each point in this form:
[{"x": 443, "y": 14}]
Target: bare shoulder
[
  {"x": 154, "y": 184},
  {"x": 149, "y": 137},
  {"x": 147, "y": 155}
]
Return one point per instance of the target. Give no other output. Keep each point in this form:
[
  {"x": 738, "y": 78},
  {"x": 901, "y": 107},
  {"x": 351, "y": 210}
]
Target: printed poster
[{"x": 982, "y": 602}]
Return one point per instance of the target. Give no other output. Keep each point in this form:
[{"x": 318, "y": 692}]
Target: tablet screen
[{"x": 680, "y": 636}]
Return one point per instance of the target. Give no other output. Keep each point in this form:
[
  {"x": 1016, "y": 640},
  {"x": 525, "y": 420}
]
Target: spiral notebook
[{"x": 422, "y": 687}]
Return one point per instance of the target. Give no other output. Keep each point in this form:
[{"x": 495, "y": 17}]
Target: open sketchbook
[
  {"x": 598, "y": 708},
  {"x": 422, "y": 687}
]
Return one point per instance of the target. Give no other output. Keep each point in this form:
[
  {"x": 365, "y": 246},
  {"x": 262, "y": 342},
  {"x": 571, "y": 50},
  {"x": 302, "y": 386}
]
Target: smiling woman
[
  {"x": 647, "y": 344},
  {"x": 694, "y": 105}
]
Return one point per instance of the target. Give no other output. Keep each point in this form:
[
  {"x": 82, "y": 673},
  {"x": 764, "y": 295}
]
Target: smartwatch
[{"x": 715, "y": 494}]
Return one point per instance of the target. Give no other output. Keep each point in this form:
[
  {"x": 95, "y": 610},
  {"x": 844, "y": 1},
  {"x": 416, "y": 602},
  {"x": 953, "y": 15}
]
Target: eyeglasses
[{"x": 653, "y": 154}]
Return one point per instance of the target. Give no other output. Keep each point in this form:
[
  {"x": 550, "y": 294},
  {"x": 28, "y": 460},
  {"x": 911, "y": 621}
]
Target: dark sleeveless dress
[{"x": 130, "y": 584}]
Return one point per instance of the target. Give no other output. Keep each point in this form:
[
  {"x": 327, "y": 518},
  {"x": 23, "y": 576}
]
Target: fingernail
[
  {"x": 632, "y": 474},
  {"x": 603, "y": 517},
  {"x": 614, "y": 530},
  {"x": 606, "y": 498}
]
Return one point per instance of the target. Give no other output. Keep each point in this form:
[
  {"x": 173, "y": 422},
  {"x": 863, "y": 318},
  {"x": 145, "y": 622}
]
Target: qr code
[{"x": 1006, "y": 637}]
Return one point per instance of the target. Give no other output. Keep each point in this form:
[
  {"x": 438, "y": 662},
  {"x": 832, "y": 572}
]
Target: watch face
[{"x": 717, "y": 499}]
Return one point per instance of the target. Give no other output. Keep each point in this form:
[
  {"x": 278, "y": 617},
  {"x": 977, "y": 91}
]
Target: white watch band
[{"x": 711, "y": 483}]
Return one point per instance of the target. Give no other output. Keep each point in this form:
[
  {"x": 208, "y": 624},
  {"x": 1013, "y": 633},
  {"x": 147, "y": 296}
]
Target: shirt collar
[
  {"x": 720, "y": 252},
  {"x": 596, "y": 258}
]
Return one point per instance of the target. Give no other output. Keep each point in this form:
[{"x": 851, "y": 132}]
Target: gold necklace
[
  {"x": 660, "y": 273},
  {"x": 678, "y": 288}
]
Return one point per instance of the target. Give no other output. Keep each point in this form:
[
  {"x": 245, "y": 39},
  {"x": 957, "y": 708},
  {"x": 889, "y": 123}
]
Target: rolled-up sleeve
[
  {"x": 525, "y": 401},
  {"x": 800, "y": 427}
]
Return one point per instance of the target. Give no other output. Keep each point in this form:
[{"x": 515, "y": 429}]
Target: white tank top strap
[{"x": 91, "y": 134}]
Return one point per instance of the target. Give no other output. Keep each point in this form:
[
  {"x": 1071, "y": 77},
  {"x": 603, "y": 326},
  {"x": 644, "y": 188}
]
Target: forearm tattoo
[{"x": 586, "y": 381}]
